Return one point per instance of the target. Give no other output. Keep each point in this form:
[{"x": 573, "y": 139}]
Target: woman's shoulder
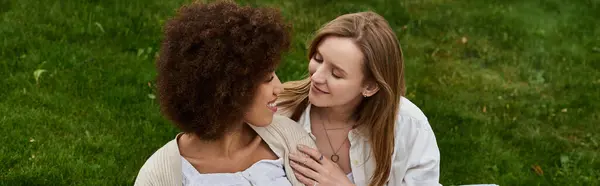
[
  {"x": 282, "y": 127},
  {"x": 284, "y": 133},
  {"x": 162, "y": 166},
  {"x": 411, "y": 122},
  {"x": 410, "y": 110}
]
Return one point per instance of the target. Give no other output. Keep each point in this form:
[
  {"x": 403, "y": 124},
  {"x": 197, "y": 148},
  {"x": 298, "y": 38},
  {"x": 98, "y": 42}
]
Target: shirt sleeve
[{"x": 417, "y": 161}]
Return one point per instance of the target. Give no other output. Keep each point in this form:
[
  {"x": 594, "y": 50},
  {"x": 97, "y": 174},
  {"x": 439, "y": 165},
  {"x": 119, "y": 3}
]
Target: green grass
[{"x": 523, "y": 90}]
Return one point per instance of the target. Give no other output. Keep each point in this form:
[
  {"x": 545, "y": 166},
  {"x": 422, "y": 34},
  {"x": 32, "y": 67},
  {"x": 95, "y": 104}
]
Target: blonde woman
[{"x": 352, "y": 104}]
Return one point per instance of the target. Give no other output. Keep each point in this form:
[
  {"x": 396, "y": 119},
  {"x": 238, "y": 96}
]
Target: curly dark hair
[{"x": 212, "y": 59}]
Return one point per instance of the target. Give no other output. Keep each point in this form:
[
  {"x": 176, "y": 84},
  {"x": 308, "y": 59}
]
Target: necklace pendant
[{"x": 335, "y": 158}]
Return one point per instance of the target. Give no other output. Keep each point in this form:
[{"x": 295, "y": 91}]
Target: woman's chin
[{"x": 316, "y": 101}]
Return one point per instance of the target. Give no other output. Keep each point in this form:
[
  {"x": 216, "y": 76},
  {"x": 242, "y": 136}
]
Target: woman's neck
[
  {"x": 338, "y": 115},
  {"x": 240, "y": 138}
]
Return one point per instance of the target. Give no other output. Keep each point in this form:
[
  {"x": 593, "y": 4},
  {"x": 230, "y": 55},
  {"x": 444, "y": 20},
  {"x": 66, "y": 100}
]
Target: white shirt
[
  {"x": 261, "y": 173},
  {"x": 416, "y": 158}
]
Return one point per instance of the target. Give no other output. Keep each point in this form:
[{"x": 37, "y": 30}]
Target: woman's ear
[{"x": 370, "y": 89}]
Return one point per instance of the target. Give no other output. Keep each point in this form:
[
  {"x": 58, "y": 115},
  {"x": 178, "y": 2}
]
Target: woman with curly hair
[
  {"x": 353, "y": 105},
  {"x": 216, "y": 83}
]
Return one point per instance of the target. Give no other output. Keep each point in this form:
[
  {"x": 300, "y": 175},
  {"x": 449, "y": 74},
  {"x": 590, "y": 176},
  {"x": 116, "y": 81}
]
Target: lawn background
[{"x": 507, "y": 85}]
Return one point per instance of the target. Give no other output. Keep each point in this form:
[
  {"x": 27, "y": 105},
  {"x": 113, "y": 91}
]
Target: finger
[
  {"x": 313, "y": 153},
  {"x": 309, "y": 173},
  {"x": 303, "y": 179},
  {"x": 307, "y": 161}
]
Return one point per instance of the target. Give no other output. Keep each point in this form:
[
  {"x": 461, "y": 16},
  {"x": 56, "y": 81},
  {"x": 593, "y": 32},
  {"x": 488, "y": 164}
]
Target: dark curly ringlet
[{"x": 212, "y": 59}]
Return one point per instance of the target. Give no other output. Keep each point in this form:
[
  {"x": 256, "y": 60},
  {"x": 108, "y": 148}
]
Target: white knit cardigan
[{"x": 282, "y": 135}]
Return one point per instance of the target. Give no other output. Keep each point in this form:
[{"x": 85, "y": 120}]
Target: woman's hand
[{"x": 315, "y": 169}]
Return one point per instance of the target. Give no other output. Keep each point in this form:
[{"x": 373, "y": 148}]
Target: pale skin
[
  {"x": 240, "y": 148},
  {"x": 338, "y": 85}
]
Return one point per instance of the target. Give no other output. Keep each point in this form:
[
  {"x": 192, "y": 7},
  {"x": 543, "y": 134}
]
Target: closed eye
[
  {"x": 335, "y": 76},
  {"x": 317, "y": 57}
]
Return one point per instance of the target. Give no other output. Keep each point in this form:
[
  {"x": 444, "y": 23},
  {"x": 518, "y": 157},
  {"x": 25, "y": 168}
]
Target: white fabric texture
[
  {"x": 263, "y": 172},
  {"x": 416, "y": 159}
]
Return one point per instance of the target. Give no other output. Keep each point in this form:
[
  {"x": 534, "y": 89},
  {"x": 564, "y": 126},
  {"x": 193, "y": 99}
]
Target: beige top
[{"x": 282, "y": 135}]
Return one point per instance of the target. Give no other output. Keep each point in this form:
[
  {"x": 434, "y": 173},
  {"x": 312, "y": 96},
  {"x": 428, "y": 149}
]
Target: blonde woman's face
[{"x": 336, "y": 73}]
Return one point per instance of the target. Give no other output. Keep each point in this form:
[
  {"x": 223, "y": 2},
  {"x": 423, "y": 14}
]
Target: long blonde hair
[{"x": 383, "y": 64}]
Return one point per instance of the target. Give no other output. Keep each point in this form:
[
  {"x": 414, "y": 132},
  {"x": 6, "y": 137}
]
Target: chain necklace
[{"x": 334, "y": 157}]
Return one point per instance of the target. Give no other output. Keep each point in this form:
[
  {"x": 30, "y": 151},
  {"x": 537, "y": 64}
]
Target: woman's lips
[
  {"x": 315, "y": 88},
  {"x": 272, "y": 106}
]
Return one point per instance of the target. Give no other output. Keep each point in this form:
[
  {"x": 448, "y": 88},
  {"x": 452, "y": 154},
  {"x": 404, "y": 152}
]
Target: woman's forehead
[{"x": 341, "y": 52}]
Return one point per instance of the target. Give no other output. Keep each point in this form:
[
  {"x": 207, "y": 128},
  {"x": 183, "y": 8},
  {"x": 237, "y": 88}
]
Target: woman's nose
[
  {"x": 318, "y": 76},
  {"x": 278, "y": 86}
]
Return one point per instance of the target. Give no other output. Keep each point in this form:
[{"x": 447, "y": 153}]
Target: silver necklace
[{"x": 334, "y": 157}]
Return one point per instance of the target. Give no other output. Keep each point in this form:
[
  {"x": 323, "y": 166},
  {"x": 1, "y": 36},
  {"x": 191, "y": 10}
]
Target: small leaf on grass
[
  {"x": 140, "y": 52},
  {"x": 463, "y": 40},
  {"x": 151, "y": 96},
  {"x": 564, "y": 110},
  {"x": 541, "y": 32},
  {"x": 149, "y": 84},
  {"x": 412, "y": 95},
  {"x": 435, "y": 52},
  {"x": 95, "y": 166},
  {"x": 484, "y": 109},
  {"x": 564, "y": 159},
  {"x": 31, "y": 140},
  {"x": 99, "y": 26},
  {"x": 495, "y": 168},
  {"x": 537, "y": 169},
  {"x": 37, "y": 73}
]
